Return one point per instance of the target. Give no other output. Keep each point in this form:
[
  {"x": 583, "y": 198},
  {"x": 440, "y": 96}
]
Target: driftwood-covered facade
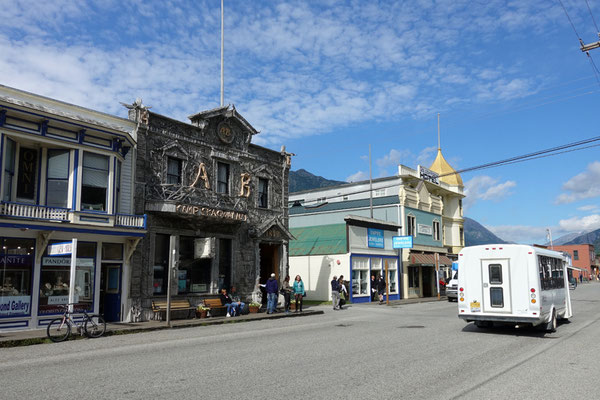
[{"x": 222, "y": 198}]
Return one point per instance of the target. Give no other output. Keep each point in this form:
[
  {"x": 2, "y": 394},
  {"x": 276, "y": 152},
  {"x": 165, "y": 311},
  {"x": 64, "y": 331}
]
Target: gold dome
[{"x": 441, "y": 167}]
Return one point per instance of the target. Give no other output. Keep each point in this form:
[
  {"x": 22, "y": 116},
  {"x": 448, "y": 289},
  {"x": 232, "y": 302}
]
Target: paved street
[{"x": 420, "y": 351}]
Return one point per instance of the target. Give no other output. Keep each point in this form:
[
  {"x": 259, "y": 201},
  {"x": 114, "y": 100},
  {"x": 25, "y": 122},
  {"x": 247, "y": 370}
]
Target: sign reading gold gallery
[{"x": 211, "y": 212}]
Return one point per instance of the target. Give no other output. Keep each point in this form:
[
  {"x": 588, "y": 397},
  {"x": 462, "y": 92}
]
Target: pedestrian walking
[
  {"x": 381, "y": 288},
  {"x": 272, "y": 288},
  {"x": 343, "y": 291},
  {"x": 335, "y": 293},
  {"x": 299, "y": 292},
  {"x": 286, "y": 290},
  {"x": 373, "y": 288}
]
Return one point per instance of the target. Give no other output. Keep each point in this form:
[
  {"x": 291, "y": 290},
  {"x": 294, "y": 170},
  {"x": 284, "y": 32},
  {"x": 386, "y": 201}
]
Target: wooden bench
[
  {"x": 159, "y": 306},
  {"x": 216, "y": 308}
]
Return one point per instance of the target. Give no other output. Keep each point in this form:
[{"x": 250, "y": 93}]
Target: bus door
[{"x": 496, "y": 286}]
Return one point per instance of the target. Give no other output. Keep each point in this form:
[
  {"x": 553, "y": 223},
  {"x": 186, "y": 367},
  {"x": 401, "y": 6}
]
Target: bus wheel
[{"x": 551, "y": 325}]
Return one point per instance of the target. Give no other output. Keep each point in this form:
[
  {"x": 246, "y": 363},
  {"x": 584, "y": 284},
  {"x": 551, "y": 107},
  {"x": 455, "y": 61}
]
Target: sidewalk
[{"x": 29, "y": 337}]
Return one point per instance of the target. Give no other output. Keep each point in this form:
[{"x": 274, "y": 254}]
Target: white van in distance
[{"x": 512, "y": 283}]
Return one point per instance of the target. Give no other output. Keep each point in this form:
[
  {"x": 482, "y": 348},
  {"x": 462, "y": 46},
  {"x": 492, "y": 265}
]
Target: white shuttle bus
[{"x": 512, "y": 283}]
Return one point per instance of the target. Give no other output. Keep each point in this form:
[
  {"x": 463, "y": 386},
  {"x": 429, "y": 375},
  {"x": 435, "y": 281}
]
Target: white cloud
[
  {"x": 581, "y": 186},
  {"x": 587, "y": 223},
  {"x": 294, "y": 69},
  {"x": 590, "y": 207},
  {"x": 519, "y": 233},
  {"x": 358, "y": 176},
  {"x": 485, "y": 187}
]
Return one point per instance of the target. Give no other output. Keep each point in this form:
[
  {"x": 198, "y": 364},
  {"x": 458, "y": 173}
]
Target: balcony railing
[
  {"x": 30, "y": 211},
  {"x": 19, "y": 210},
  {"x": 130, "y": 221}
]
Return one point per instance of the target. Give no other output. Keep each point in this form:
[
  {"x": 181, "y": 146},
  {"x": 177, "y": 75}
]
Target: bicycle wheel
[
  {"x": 58, "y": 331},
  {"x": 95, "y": 326}
]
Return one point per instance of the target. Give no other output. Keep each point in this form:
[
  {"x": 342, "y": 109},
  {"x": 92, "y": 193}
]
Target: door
[
  {"x": 110, "y": 292},
  {"x": 496, "y": 286}
]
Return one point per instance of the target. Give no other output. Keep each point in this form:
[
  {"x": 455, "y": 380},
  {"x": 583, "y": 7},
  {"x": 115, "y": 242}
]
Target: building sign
[
  {"x": 424, "y": 229},
  {"x": 428, "y": 175},
  {"x": 14, "y": 305},
  {"x": 375, "y": 238},
  {"x": 26, "y": 181},
  {"x": 66, "y": 262},
  {"x": 402, "y": 242},
  {"x": 60, "y": 249},
  {"x": 211, "y": 212}
]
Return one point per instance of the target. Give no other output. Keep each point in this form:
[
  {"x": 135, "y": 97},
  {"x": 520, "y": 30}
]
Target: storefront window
[
  {"x": 194, "y": 275},
  {"x": 392, "y": 275},
  {"x": 16, "y": 265},
  {"x": 161, "y": 263},
  {"x": 56, "y": 278},
  {"x": 413, "y": 277},
  {"x": 360, "y": 272},
  {"x": 95, "y": 182}
]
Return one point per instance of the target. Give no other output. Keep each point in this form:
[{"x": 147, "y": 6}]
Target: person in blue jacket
[
  {"x": 299, "y": 292},
  {"x": 272, "y": 288}
]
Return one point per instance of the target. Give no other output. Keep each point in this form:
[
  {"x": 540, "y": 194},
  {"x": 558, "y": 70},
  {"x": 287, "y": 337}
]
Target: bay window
[
  {"x": 94, "y": 185},
  {"x": 57, "y": 181}
]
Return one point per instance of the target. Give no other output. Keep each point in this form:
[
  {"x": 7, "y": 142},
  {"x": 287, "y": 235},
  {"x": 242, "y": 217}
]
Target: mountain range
[{"x": 475, "y": 233}]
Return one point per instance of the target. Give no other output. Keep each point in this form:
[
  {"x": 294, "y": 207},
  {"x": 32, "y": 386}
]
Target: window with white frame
[
  {"x": 411, "y": 225},
  {"x": 436, "y": 230},
  {"x": 392, "y": 267},
  {"x": 379, "y": 193},
  {"x": 57, "y": 178},
  {"x": 94, "y": 185},
  {"x": 360, "y": 273}
]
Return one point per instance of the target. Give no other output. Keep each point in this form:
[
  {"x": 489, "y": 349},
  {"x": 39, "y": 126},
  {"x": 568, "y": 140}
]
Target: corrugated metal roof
[
  {"x": 344, "y": 205},
  {"x": 317, "y": 240},
  {"x": 428, "y": 259}
]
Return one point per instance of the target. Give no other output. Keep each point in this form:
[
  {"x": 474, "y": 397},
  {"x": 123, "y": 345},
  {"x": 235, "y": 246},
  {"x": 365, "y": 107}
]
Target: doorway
[
  {"x": 269, "y": 261},
  {"x": 110, "y": 292},
  {"x": 428, "y": 281}
]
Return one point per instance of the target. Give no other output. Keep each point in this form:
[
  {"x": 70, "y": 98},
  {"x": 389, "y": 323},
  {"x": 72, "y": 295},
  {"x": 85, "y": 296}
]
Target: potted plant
[
  {"x": 254, "y": 307},
  {"x": 202, "y": 311}
]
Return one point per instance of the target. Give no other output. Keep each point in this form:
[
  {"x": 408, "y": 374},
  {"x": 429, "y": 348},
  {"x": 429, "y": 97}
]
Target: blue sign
[
  {"x": 455, "y": 266},
  {"x": 402, "y": 242},
  {"x": 375, "y": 238}
]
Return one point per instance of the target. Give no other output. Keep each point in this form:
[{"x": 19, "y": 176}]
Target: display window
[
  {"x": 360, "y": 275},
  {"x": 194, "y": 274},
  {"x": 161, "y": 264},
  {"x": 16, "y": 266},
  {"x": 56, "y": 277}
]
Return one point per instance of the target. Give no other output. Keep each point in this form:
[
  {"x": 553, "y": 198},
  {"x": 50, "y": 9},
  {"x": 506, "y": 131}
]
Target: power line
[
  {"x": 592, "y": 15},
  {"x": 567, "y": 148},
  {"x": 571, "y": 22}
]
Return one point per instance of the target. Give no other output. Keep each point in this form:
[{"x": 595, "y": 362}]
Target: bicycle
[{"x": 59, "y": 329}]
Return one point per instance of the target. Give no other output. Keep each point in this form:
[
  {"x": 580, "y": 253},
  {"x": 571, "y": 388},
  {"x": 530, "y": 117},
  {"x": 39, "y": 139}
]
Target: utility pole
[{"x": 587, "y": 47}]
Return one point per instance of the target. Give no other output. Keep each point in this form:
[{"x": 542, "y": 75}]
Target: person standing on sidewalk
[
  {"x": 343, "y": 291},
  {"x": 335, "y": 293},
  {"x": 298, "y": 292},
  {"x": 373, "y": 288},
  {"x": 286, "y": 290},
  {"x": 381, "y": 288},
  {"x": 272, "y": 288}
]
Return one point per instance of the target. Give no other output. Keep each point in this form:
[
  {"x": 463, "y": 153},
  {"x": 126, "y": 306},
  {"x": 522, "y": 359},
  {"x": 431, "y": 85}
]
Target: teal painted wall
[{"x": 425, "y": 218}]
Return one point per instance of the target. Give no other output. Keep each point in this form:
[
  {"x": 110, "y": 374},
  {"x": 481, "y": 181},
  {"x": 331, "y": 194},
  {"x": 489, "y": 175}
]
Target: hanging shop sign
[
  {"x": 211, "y": 212},
  {"x": 375, "y": 238},
  {"x": 402, "y": 242}
]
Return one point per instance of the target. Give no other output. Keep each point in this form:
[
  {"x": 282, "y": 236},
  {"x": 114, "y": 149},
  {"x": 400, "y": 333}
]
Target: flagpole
[{"x": 222, "y": 52}]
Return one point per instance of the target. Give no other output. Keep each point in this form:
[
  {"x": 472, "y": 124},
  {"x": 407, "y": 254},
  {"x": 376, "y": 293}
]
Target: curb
[{"x": 132, "y": 329}]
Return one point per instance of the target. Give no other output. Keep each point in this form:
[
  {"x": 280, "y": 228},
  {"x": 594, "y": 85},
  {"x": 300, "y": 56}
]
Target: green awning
[{"x": 318, "y": 240}]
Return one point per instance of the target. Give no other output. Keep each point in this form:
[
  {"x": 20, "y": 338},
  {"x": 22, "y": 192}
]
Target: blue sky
[{"x": 328, "y": 78}]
